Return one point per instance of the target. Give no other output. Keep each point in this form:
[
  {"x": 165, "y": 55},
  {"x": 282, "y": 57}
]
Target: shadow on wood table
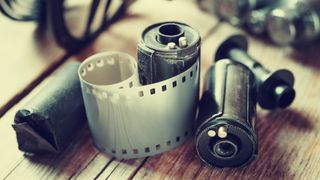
[{"x": 309, "y": 56}]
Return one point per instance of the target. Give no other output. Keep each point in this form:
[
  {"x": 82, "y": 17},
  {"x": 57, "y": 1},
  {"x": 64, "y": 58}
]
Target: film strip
[{"x": 128, "y": 120}]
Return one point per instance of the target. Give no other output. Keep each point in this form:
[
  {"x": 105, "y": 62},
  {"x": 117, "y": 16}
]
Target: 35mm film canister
[
  {"x": 226, "y": 136},
  {"x": 165, "y": 50},
  {"x": 236, "y": 12}
]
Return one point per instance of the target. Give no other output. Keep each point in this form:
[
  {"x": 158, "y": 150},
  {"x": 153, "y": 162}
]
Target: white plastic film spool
[{"x": 128, "y": 120}]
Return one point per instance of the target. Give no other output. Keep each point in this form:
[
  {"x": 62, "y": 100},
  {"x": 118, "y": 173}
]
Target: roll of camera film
[
  {"x": 130, "y": 118},
  {"x": 226, "y": 136},
  {"x": 167, "y": 49}
]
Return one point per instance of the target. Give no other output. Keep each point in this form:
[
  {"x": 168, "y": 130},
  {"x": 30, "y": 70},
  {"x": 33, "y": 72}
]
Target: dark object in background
[
  {"x": 275, "y": 89},
  {"x": 23, "y": 10},
  {"x": 73, "y": 24},
  {"x": 165, "y": 50},
  {"x": 236, "y": 12},
  {"x": 49, "y": 121},
  {"x": 226, "y": 136},
  {"x": 297, "y": 24},
  {"x": 257, "y": 21}
]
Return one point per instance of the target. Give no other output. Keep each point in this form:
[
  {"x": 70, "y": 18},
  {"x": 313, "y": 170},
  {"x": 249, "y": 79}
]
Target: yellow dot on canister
[
  {"x": 222, "y": 132},
  {"x": 211, "y": 133}
]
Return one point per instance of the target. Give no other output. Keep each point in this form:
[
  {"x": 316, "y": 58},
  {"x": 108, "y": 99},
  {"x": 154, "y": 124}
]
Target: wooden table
[{"x": 289, "y": 139}]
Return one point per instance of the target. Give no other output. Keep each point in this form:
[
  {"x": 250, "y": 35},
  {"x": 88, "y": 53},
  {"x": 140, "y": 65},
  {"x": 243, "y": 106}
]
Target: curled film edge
[{"x": 128, "y": 120}]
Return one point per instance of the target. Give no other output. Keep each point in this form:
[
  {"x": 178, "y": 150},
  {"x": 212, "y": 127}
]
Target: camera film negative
[{"x": 130, "y": 120}]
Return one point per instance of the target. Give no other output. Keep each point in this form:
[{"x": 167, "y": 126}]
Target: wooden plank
[
  {"x": 288, "y": 139},
  {"x": 60, "y": 166},
  {"x": 10, "y": 155},
  {"x": 128, "y": 31},
  {"x": 158, "y": 166},
  {"x": 26, "y": 53},
  {"x": 85, "y": 162},
  {"x": 94, "y": 168},
  {"x": 142, "y": 14},
  {"x": 121, "y": 169},
  {"x": 288, "y": 147},
  {"x": 78, "y": 156}
]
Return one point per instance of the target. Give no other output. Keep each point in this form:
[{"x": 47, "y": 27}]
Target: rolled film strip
[{"x": 128, "y": 120}]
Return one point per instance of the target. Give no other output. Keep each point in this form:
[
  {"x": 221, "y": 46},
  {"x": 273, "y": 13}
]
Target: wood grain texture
[
  {"x": 121, "y": 169},
  {"x": 10, "y": 155},
  {"x": 27, "y": 53},
  {"x": 84, "y": 162},
  {"x": 288, "y": 139},
  {"x": 94, "y": 168},
  {"x": 125, "y": 34}
]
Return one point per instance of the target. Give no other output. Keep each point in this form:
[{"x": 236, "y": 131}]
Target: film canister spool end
[
  {"x": 275, "y": 89},
  {"x": 226, "y": 136},
  {"x": 165, "y": 50}
]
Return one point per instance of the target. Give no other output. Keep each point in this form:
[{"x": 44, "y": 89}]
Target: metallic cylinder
[
  {"x": 165, "y": 50},
  {"x": 275, "y": 89},
  {"x": 296, "y": 24},
  {"x": 237, "y": 11},
  {"x": 257, "y": 21},
  {"x": 226, "y": 135}
]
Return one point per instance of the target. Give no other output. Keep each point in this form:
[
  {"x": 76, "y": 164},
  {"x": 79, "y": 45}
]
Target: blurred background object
[
  {"x": 274, "y": 89},
  {"x": 285, "y": 22},
  {"x": 73, "y": 23},
  {"x": 257, "y": 19},
  {"x": 236, "y": 12},
  {"x": 296, "y": 24}
]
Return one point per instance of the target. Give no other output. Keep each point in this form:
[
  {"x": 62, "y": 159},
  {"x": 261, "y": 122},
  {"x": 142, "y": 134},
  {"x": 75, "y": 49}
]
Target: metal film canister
[
  {"x": 129, "y": 120},
  {"x": 297, "y": 24},
  {"x": 167, "y": 49},
  {"x": 237, "y": 12},
  {"x": 257, "y": 20},
  {"x": 274, "y": 89},
  {"x": 226, "y": 135}
]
